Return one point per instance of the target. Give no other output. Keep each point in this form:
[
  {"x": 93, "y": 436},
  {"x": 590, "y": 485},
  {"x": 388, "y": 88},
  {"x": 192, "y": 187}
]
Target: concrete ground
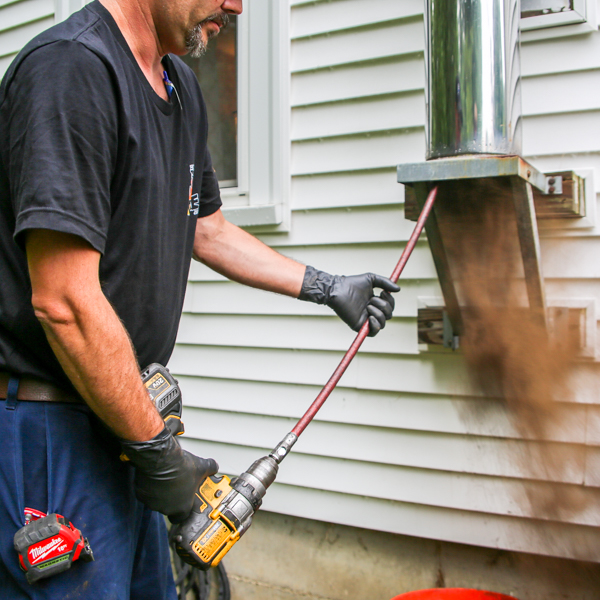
[{"x": 287, "y": 558}]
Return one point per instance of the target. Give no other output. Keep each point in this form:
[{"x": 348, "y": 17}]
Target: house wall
[
  {"x": 405, "y": 445},
  {"x": 401, "y": 447}
]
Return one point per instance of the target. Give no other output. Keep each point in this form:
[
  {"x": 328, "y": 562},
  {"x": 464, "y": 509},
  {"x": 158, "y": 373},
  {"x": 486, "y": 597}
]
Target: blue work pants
[{"x": 58, "y": 457}]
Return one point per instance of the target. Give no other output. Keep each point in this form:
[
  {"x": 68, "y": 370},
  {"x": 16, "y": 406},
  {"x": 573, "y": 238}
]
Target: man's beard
[{"x": 194, "y": 40}]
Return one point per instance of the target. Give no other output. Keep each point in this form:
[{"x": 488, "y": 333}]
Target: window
[{"x": 538, "y": 14}]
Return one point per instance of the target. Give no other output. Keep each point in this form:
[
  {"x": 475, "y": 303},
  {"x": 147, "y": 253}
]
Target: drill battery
[
  {"x": 48, "y": 545},
  {"x": 165, "y": 394}
]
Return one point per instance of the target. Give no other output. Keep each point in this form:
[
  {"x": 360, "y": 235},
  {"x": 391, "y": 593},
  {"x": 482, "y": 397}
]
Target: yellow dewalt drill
[{"x": 223, "y": 510}]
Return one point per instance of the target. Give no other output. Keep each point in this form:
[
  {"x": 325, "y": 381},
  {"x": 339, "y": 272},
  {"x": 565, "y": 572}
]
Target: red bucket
[{"x": 452, "y": 594}]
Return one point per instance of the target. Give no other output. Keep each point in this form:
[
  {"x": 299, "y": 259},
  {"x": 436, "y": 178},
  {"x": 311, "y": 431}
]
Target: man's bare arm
[
  {"x": 86, "y": 335},
  {"x": 241, "y": 257},
  {"x": 238, "y": 255}
]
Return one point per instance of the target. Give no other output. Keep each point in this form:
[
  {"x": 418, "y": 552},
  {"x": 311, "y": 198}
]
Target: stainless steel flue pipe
[{"x": 473, "y": 77}]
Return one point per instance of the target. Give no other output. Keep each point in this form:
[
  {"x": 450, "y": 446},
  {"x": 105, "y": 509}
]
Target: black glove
[
  {"x": 166, "y": 476},
  {"x": 352, "y": 298}
]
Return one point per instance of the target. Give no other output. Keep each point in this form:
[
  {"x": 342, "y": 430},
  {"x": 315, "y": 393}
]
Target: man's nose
[{"x": 232, "y": 7}]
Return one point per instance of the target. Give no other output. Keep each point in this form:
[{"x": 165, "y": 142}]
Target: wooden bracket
[{"x": 570, "y": 204}]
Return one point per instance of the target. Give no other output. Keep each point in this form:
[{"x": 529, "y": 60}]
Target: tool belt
[{"x": 36, "y": 390}]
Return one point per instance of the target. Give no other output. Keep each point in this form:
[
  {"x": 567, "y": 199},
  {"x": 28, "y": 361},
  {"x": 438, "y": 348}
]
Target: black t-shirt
[{"x": 88, "y": 148}]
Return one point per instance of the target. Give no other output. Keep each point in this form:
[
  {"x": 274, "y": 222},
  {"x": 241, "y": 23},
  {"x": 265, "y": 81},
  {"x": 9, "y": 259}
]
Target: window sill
[
  {"x": 250, "y": 216},
  {"x": 558, "y": 32}
]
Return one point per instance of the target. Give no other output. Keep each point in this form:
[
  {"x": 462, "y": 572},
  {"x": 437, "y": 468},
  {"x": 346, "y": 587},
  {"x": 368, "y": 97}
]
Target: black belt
[{"x": 36, "y": 390}]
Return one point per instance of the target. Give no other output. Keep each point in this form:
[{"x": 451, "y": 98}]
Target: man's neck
[{"x": 134, "y": 19}]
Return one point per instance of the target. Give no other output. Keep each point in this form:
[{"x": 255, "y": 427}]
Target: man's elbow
[
  {"x": 209, "y": 231},
  {"x": 51, "y": 311}
]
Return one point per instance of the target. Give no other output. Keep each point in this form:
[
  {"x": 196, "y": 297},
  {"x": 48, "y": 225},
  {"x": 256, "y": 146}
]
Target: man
[{"x": 96, "y": 235}]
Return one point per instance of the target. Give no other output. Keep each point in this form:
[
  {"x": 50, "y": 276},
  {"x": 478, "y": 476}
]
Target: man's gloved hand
[
  {"x": 166, "y": 476},
  {"x": 352, "y": 298}
]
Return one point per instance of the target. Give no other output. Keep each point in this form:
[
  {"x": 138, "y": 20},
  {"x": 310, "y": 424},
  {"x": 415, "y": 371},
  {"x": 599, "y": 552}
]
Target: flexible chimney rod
[{"x": 364, "y": 331}]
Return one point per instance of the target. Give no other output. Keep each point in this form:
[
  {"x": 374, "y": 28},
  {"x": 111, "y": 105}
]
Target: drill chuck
[{"x": 260, "y": 475}]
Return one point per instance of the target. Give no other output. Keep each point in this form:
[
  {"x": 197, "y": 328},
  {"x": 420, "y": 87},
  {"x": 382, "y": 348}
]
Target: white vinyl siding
[
  {"x": 392, "y": 449},
  {"x": 20, "y": 20}
]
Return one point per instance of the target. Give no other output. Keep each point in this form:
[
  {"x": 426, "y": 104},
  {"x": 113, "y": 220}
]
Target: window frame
[{"x": 262, "y": 197}]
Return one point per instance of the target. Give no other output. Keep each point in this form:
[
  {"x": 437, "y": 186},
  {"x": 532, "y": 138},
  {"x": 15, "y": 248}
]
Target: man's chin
[{"x": 196, "y": 42}]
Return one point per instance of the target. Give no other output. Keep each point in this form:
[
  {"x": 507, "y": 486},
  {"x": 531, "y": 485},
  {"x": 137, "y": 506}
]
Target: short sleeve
[
  {"x": 210, "y": 195},
  {"x": 61, "y": 124}
]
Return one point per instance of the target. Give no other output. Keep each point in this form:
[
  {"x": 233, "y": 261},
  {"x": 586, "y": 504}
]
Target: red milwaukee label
[{"x": 46, "y": 550}]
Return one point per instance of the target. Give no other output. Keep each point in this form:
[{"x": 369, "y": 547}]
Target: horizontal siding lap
[
  {"x": 375, "y": 42},
  {"x": 561, "y": 55},
  {"x": 367, "y": 151},
  {"x": 450, "y": 373},
  {"x": 464, "y": 492},
  {"x": 13, "y": 40},
  {"x": 26, "y": 11},
  {"x": 563, "y": 133},
  {"x": 270, "y": 331},
  {"x": 325, "y": 17},
  {"x": 478, "y": 529},
  {"x": 348, "y": 260},
  {"x": 402, "y": 448},
  {"x": 347, "y": 149},
  {"x": 581, "y": 93},
  {"x": 228, "y": 298},
  {"x": 566, "y": 258},
  {"x": 432, "y": 374},
  {"x": 373, "y": 224},
  {"x": 592, "y": 436},
  {"x": 392, "y": 410},
  {"x": 343, "y": 190},
  {"x": 592, "y": 472},
  {"x": 432, "y": 488},
  {"x": 439, "y": 374},
  {"x": 358, "y": 80},
  {"x": 381, "y": 113}
]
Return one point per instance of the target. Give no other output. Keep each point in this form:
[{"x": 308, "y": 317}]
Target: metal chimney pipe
[{"x": 473, "y": 77}]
